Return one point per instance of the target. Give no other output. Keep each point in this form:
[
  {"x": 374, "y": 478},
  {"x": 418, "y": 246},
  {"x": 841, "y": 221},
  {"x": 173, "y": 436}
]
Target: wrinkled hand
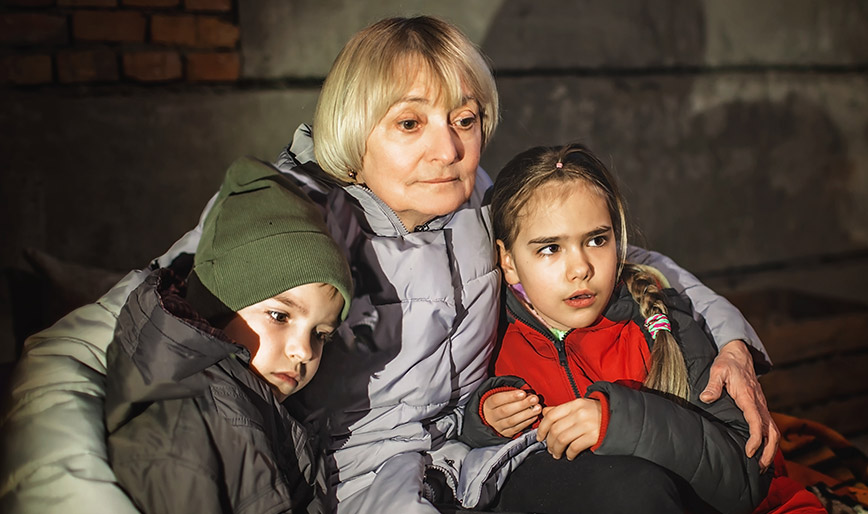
[
  {"x": 570, "y": 427},
  {"x": 733, "y": 369},
  {"x": 510, "y": 412}
]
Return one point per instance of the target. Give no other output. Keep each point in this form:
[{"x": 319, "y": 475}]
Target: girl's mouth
[{"x": 581, "y": 301}]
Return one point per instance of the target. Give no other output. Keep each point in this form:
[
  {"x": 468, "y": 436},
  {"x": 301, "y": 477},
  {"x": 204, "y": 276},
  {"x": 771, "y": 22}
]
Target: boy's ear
[{"x": 506, "y": 264}]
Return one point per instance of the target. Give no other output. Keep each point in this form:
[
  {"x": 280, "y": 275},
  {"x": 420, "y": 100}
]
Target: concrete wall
[{"x": 740, "y": 129}]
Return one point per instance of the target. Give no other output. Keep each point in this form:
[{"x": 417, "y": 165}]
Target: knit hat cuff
[{"x": 264, "y": 268}]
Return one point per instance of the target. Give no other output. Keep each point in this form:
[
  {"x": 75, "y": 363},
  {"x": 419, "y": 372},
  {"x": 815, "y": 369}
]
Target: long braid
[{"x": 668, "y": 371}]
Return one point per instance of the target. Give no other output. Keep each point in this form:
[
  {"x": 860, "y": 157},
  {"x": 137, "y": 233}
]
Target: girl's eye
[
  {"x": 408, "y": 125},
  {"x": 465, "y": 122},
  {"x": 278, "y": 317},
  {"x": 598, "y": 241},
  {"x": 548, "y": 250}
]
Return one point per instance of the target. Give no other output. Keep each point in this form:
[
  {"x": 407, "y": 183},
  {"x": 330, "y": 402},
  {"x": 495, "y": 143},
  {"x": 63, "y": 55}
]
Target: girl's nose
[{"x": 578, "y": 266}]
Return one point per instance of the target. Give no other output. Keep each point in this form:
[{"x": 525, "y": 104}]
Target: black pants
[{"x": 590, "y": 483}]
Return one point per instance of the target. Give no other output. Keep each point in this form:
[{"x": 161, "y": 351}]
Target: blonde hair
[
  {"x": 668, "y": 371},
  {"x": 536, "y": 167},
  {"x": 370, "y": 75},
  {"x": 528, "y": 171}
]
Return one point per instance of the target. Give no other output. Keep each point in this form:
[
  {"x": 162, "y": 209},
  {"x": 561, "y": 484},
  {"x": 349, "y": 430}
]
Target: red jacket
[
  {"x": 612, "y": 351},
  {"x": 704, "y": 444}
]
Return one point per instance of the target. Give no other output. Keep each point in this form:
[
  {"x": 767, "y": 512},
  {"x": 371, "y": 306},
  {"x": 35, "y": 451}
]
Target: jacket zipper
[
  {"x": 562, "y": 357},
  {"x": 559, "y": 346}
]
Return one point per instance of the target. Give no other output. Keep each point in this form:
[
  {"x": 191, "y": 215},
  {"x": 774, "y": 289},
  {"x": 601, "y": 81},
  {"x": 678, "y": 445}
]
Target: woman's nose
[{"x": 444, "y": 144}]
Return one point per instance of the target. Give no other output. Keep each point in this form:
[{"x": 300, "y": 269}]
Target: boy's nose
[{"x": 299, "y": 348}]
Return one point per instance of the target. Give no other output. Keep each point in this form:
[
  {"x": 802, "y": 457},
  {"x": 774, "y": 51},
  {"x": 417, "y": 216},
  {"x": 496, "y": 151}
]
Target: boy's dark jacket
[
  {"x": 703, "y": 444},
  {"x": 191, "y": 428}
]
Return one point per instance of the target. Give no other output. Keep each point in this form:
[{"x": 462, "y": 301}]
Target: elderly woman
[{"x": 402, "y": 119}]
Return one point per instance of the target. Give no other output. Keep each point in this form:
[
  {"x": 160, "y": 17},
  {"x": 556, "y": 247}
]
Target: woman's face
[{"x": 421, "y": 157}]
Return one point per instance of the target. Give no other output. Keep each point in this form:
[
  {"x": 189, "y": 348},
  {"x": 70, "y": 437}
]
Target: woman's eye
[
  {"x": 598, "y": 241},
  {"x": 466, "y": 121},
  {"x": 548, "y": 250},
  {"x": 408, "y": 124},
  {"x": 278, "y": 317}
]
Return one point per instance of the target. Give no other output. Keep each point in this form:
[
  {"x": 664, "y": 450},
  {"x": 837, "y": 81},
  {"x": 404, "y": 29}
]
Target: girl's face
[
  {"x": 421, "y": 157},
  {"x": 565, "y": 254},
  {"x": 285, "y": 334}
]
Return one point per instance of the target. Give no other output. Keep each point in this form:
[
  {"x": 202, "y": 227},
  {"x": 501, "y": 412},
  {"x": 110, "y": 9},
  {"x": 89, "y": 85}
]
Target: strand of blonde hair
[{"x": 667, "y": 371}]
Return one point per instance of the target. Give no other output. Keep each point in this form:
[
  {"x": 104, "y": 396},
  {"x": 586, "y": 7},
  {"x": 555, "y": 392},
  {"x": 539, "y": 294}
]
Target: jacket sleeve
[
  {"x": 165, "y": 462},
  {"x": 53, "y": 456},
  {"x": 706, "y": 452},
  {"x": 724, "y": 322},
  {"x": 52, "y": 448},
  {"x": 701, "y": 443},
  {"x": 475, "y": 432}
]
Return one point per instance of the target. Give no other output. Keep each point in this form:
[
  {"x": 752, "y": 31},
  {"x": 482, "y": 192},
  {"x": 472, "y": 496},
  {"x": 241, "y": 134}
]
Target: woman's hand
[
  {"x": 510, "y": 412},
  {"x": 733, "y": 369},
  {"x": 571, "y": 427}
]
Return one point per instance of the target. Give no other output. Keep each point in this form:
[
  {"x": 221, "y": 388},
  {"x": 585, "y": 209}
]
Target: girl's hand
[
  {"x": 510, "y": 412},
  {"x": 733, "y": 369},
  {"x": 571, "y": 427}
]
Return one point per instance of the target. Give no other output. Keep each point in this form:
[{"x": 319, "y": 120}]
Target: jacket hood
[{"x": 157, "y": 355}]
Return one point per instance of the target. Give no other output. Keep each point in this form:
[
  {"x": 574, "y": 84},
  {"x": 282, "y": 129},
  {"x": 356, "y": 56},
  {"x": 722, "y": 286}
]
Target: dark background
[{"x": 739, "y": 130}]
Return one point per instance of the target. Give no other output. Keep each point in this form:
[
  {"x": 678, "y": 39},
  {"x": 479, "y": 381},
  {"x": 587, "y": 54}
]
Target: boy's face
[
  {"x": 564, "y": 256},
  {"x": 285, "y": 334}
]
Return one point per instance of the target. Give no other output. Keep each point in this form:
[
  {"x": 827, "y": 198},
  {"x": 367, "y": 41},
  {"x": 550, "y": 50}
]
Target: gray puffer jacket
[
  {"x": 418, "y": 341},
  {"x": 190, "y": 427}
]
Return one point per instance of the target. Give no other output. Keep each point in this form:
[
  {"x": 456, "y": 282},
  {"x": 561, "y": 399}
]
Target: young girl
[{"x": 616, "y": 361}]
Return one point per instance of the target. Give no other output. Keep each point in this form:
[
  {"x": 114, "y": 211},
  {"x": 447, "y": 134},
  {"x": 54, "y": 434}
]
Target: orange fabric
[
  {"x": 787, "y": 496},
  {"x": 806, "y": 448}
]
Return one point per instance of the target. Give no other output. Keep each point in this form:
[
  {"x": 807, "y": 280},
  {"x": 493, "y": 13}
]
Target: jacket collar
[
  {"x": 163, "y": 346},
  {"x": 621, "y": 308}
]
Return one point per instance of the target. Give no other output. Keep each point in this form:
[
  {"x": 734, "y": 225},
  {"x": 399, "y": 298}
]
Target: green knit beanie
[{"x": 264, "y": 236}]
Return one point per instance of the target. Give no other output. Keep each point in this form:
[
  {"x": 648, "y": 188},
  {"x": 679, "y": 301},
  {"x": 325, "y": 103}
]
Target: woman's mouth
[{"x": 444, "y": 180}]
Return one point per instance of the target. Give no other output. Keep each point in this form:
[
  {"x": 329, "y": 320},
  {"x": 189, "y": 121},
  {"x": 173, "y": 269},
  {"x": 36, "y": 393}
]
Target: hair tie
[
  {"x": 559, "y": 165},
  {"x": 656, "y": 323}
]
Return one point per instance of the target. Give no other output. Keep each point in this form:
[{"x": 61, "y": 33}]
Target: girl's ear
[{"x": 507, "y": 265}]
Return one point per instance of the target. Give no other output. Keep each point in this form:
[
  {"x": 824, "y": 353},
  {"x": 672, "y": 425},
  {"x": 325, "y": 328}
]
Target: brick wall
[{"x": 70, "y": 42}]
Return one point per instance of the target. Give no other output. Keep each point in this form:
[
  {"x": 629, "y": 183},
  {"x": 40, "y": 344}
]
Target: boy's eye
[
  {"x": 278, "y": 317},
  {"x": 408, "y": 124},
  {"x": 548, "y": 250},
  {"x": 598, "y": 241}
]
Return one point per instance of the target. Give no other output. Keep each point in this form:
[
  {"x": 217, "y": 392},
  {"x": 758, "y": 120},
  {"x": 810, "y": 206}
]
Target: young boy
[{"x": 197, "y": 371}]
